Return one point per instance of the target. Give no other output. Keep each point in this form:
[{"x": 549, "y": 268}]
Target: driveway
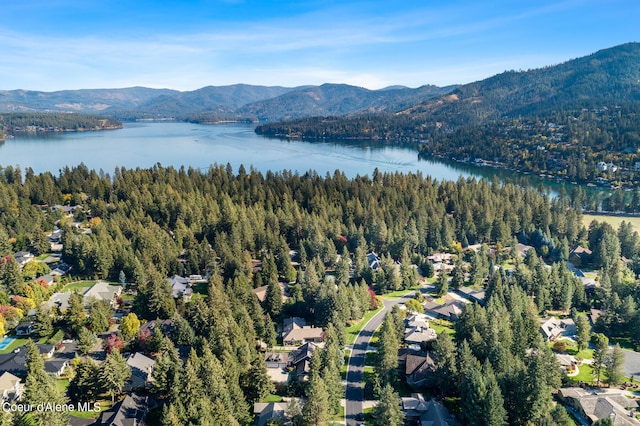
[
  {"x": 355, "y": 371},
  {"x": 631, "y": 363}
]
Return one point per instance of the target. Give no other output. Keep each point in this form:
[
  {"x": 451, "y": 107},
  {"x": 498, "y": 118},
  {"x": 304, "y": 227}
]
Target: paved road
[
  {"x": 631, "y": 364},
  {"x": 355, "y": 372}
]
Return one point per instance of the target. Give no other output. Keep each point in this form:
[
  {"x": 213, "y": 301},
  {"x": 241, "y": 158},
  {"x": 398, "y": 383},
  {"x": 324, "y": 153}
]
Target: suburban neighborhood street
[{"x": 355, "y": 371}]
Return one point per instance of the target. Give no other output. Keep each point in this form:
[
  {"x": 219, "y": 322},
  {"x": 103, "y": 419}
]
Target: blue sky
[{"x": 72, "y": 44}]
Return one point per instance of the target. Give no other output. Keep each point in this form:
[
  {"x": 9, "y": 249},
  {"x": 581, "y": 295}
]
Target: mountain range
[{"x": 213, "y": 103}]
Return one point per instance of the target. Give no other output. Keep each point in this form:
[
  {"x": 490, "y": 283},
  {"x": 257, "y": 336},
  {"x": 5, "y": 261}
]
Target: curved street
[{"x": 354, "y": 393}]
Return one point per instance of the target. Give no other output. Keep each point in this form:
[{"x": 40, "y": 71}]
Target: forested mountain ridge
[
  {"x": 609, "y": 76},
  {"x": 218, "y": 103}
]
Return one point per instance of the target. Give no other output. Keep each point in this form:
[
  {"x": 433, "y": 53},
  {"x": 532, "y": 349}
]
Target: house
[
  {"x": 261, "y": 292},
  {"x": 522, "y": 249},
  {"x": 299, "y": 336},
  {"x": 300, "y": 359},
  {"x": 568, "y": 363},
  {"x": 292, "y": 323},
  {"x": 56, "y": 367},
  {"x": 450, "y": 310},
  {"x": 47, "y": 280},
  {"x": 373, "y": 260},
  {"x": 141, "y": 369},
  {"x": 23, "y": 257},
  {"x": 102, "y": 290},
  {"x": 594, "y": 315},
  {"x": 14, "y": 362},
  {"x": 181, "y": 287},
  {"x": 276, "y": 360},
  {"x": 596, "y": 405},
  {"x": 11, "y": 387},
  {"x": 65, "y": 210},
  {"x": 418, "y": 369},
  {"x": 417, "y": 330},
  {"x": 426, "y": 413},
  {"x": 46, "y": 350},
  {"x": 579, "y": 255},
  {"x": 25, "y": 328},
  {"x": 554, "y": 328},
  {"x": 266, "y": 411},
  {"x": 131, "y": 411},
  {"x": 472, "y": 295}
]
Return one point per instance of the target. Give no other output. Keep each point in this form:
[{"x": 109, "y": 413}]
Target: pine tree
[
  {"x": 114, "y": 372},
  {"x": 445, "y": 354},
  {"x": 583, "y": 330},
  {"x": 613, "y": 364},
  {"x": 442, "y": 283},
  {"x": 86, "y": 341},
  {"x": 273, "y": 299},
  {"x": 387, "y": 363},
  {"x": 316, "y": 408},
  {"x": 601, "y": 343},
  {"x": 387, "y": 411}
]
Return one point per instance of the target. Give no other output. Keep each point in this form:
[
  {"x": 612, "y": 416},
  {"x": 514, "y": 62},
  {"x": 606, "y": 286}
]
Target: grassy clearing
[
  {"x": 101, "y": 405},
  {"x": 401, "y": 293},
  {"x": 440, "y": 325},
  {"x": 614, "y": 221},
  {"x": 273, "y": 398},
  {"x": 78, "y": 285},
  {"x": 354, "y": 329}
]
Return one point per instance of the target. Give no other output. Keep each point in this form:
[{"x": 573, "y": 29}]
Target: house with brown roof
[
  {"x": 11, "y": 387},
  {"x": 418, "y": 369},
  {"x": 306, "y": 334}
]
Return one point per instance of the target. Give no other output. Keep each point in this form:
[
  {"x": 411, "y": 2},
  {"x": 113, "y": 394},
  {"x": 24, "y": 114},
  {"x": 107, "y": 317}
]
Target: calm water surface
[{"x": 199, "y": 146}]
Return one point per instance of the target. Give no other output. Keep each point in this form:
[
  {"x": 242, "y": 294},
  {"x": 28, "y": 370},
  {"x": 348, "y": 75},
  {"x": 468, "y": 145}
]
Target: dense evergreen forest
[
  {"x": 147, "y": 224},
  {"x": 54, "y": 122}
]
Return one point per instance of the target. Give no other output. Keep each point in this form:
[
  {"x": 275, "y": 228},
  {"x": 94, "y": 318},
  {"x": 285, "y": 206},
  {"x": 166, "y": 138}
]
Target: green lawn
[
  {"x": 273, "y": 398},
  {"x": 400, "y": 293},
  {"x": 354, "y": 329},
  {"x": 614, "y": 221},
  {"x": 440, "y": 325},
  {"x": 585, "y": 375},
  {"x": 101, "y": 405},
  {"x": 78, "y": 285}
]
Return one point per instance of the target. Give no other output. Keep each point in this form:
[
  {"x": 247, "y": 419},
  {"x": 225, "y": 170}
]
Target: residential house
[
  {"x": 417, "y": 330},
  {"x": 131, "y": 411},
  {"x": 261, "y": 292},
  {"x": 266, "y": 411},
  {"x": 65, "y": 210},
  {"x": 56, "y": 367},
  {"x": 47, "y": 351},
  {"x": 568, "y": 363},
  {"x": 472, "y": 295},
  {"x": 141, "y": 370},
  {"x": 102, "y": 290},
  {"x": 181, "y": 287},
  {"x": 553, "y": 328},
  {"x": 420, "y": 412},
  {"x": 419, "y": 368},
  {"x": 23, "y": 257},
  {"x": 11, "y": 387},
  {"x": 580, "y": 255},
  {"x": 290, "y": 324},
  {"x": 300, "y": 360},
  {"x": 299, "y": 336},
  {"x": 594, "y": 315},
  {"x": 596, "y": 405},
  {"x": 276, "y": 360},
  {"x": 47, "y": 280},
  {"x": 373, "y": 260},
  {"x": 450, "y": 310},
  {"x": 14, "y": 362},
  {"x": 25, "y": 328}
]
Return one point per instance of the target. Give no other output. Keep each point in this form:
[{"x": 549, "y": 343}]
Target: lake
[{"x": 145, "y": 144}]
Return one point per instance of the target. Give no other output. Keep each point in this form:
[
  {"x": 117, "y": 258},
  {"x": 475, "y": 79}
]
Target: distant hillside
[
  {"x": 23, "y": 122},
  {"x": 577, "y": 120},
  {"x": 338, "y": 99},
  {"x": 85, "y": 100},
  {"x": 215, "y": 103},
  {"x": 609, "y": 76}
]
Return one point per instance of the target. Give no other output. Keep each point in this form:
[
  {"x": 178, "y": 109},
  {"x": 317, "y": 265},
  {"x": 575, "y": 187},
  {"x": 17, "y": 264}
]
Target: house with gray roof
[
  {"x": 141, "y": 371},
  {"x": 131, "y": 411},
  {"x": 102, "y": 290},
  {"x": 426, "y": 413},
  {"x": 598, "y": 404},
  {"x": 553, "y": 328},
  {"x": 181, "y": 287}
]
